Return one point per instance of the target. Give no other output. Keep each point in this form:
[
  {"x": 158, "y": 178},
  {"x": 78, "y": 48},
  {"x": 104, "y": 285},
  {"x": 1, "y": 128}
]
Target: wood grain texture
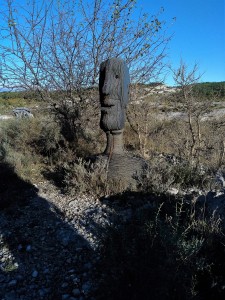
[{"x": 114, "y": 82}]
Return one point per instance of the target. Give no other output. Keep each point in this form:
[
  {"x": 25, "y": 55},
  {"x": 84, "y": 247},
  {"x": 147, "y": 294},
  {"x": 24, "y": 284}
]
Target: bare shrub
[
  {"x": 171, "y": 235},
  {"x": 29, "y": 143},
  {"x": 85, "y": 177},
  {"x": 81, "y": 177},
  {"x": 144, "y": 122}
]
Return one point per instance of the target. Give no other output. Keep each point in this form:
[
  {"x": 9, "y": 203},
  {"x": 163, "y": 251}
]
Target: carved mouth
[
  {"x": 106, "y": 109},
  {"x": 107, "y": 105},
  {"x": 109, "y": 102}
]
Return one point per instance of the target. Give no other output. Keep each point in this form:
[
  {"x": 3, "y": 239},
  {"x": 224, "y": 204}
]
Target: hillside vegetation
[
  {"x": 211, "y": 89},
  {"x": 172, "y": 244}
]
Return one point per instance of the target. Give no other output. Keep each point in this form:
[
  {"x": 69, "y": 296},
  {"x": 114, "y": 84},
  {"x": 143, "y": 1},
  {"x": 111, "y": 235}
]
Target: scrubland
[{"x": 173, "y": 249}]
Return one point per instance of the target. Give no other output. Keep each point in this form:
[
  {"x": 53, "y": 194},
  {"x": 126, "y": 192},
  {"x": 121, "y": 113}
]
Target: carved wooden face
[
  {"x": 114, "y": 93},
  {"x": 114, "y": 82}
]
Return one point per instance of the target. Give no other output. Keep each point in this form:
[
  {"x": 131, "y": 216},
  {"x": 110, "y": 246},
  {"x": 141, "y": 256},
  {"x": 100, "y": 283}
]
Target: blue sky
[{"x": 198, "y": 34}]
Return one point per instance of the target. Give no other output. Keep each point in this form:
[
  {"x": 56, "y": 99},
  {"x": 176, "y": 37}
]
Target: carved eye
[{"x": 117, "y": 76}]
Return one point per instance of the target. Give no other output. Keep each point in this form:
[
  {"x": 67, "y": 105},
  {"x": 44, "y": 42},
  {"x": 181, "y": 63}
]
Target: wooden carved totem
[
  {"x": 114, "y": 83},
  {"x": 114, "y": 95}
]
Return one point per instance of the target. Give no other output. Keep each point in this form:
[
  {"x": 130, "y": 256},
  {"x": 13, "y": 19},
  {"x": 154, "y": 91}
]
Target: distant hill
[
  {"x": 204, "y": 89},
  {"x": 210, "y": 88}
]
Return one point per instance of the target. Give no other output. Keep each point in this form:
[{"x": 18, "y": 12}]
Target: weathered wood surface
[
  {"x": 114, "y": 96},
  {"x": 126, "y": 168}
]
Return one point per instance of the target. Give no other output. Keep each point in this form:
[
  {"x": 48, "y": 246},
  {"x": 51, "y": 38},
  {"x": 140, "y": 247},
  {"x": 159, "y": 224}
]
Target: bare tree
[
  {"x": 143, "y": 119},
  {"x": 193, "y": 104},
  {"x": 55, "y": 47}
]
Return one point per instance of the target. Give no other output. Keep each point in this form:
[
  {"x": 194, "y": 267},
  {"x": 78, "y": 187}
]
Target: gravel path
[{"x": 49, "y": 243}]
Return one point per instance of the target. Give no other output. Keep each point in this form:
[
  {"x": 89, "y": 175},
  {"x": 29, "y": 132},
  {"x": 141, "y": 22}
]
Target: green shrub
[{"x": 28, "y": 143}]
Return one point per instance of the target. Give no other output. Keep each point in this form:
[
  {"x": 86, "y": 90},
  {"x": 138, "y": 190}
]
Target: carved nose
[{"x": 105, "y": 89}]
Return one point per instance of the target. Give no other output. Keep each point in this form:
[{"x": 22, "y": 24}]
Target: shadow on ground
[
  {"x": 41, "y": 256},
  {"x": 145, "y": 252},
  {"x": 160, "y": 251}
]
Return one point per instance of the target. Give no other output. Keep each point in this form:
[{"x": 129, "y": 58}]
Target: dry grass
[
  {"x": 173, "y": 241},
  {"x": 31, "y": 145},
  {"x": 174, "y": 137}
]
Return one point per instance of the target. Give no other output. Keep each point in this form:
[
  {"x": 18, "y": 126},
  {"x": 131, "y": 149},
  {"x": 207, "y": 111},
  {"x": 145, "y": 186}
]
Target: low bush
[
  {"x": 27, "y": 144},
  {"x": 171, "y": 251},
  {"x": 83, "y": 177}
]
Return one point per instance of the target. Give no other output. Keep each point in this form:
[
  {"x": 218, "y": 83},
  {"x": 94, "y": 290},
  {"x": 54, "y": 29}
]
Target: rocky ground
[
  {"x": 49, "y": 245},
  {"x": 49, "y": 242}
]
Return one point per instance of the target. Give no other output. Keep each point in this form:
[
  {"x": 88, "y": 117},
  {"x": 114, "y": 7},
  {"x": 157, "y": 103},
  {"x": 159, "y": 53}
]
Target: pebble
[
  {"x": 28, "y": 248},
  {"x": 43, "y": 291},
  {"x": 32, "y": 286},
  {"x": 76, "y": 292},
  {"x": 87, "y": 266},
  {"x": 64, "y": 285},
  {"x": 35, "y": 274},
  {"x": 20, "y": 247},
  {"x": 76, "y": 280},
  {"x": 71, "y": 271},
  {"x": 12, "y": 282},
  {"x": 86, "y": 287},
  {"x": 46, "y": 271}
]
